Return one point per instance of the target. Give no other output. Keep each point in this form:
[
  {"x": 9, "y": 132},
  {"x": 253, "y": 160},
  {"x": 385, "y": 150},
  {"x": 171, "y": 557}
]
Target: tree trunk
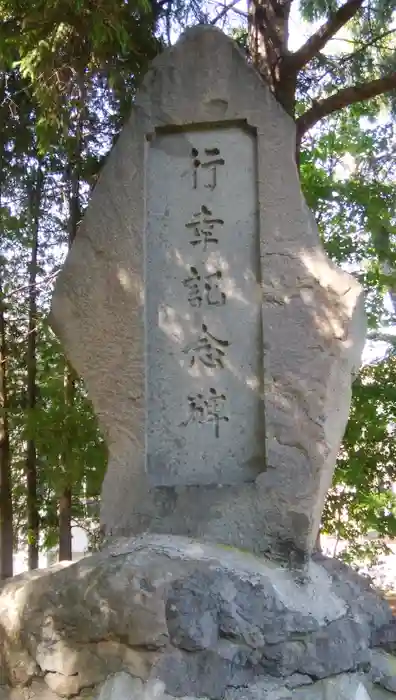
[
  {"x": 6, "y": 511},
  {"x": 6, "y": 508},
  {"x": 65, "y": 519},
  {"x": 268, "y": 34},
  {"x": 66, "y": 499},
  {"x": 33, "y": 521},
  {"x": 267, "y": 41},
  {"x": 318, "y": 544}
]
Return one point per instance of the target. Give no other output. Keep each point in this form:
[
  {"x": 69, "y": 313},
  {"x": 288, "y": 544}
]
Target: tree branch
[
  {"x": 297, "y": 60},
  {"x": 383, "y": 337},
  {"x": 344, "y": 98},
  {"x": 364, "y": 47},
  {"x": 223, "y": 12}
]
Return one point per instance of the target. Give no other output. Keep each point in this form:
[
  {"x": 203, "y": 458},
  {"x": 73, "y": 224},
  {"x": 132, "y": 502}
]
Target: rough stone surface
[
  {"x": 385, "y": 636},
  {"x": 361, "y": 597},
  {"x": 121, "y": 687},
  {"x": 37, "y": 690},
  {"x": 63, "y": 686},
  {"x": 383, "y": 670},
  {"x": 189, "y": 620},
  {"x": 344, "y": 687},
  {"x": 115, "y": 656},
  {"x": 378, "y": 693},
  {"x": 262, "y": 689},
  {"x": 124, "y": 687},
  {"x": 340, "y": 646},
  {"x": 300, "y": 322}
]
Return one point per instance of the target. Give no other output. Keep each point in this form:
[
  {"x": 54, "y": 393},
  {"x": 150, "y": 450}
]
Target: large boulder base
[{"x": 159, "y": 616}]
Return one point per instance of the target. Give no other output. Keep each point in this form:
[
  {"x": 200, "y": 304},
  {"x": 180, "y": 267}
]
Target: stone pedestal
[{"x": 168, "y": 617}]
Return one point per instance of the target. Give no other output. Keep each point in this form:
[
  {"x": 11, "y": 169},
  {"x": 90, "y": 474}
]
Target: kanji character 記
[
  {"x": 209, "y": 409},
  {"x": 207, "y": 349},
  {"x": 204, "y": 288},
  {"x": 203, "y": 224},
  {"x": 209, "y": 163},
  {"x": 213, "y": 293},
  {"x": 194, "y": 286}
]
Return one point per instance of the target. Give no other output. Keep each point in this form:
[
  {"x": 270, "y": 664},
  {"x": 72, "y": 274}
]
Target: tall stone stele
[{"x": 215, "y": 338}]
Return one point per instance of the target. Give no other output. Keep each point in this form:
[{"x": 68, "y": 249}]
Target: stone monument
[
  {"x": 217, "y": 342},
  {"x": 214, "y": 336}
]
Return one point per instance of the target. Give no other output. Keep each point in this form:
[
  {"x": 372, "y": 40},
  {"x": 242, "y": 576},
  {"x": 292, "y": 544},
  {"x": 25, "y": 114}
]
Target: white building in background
[{"x": 79, "y": 550}]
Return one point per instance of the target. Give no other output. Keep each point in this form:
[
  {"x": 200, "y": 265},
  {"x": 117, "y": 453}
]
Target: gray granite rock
[
  {"x": 192, "y": 612},
  {"x": 378, "y": 693},
  {"x": 341, "y": 646},
  {"x": 385, "y": 636},
  {"x": 257, "y": 616},
  {"x": 265, "y": 689},
  {"x": 224, "y": 419},
  {"x": 205, "y": 605},
  {"x": 205, "y": 673},
  {"x": 184, "y": 618},
  {"x": 121, "y": 686},
  {"x": 65, "y": 686},
  {"x": 37, "y": 690},
  {"x": 383, "y": 670},
  {"x": 362, "y": 599},
  {"x": 343, "y": 687}
]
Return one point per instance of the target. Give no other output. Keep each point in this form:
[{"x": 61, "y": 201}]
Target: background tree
[{"x": 347, "y": 172}]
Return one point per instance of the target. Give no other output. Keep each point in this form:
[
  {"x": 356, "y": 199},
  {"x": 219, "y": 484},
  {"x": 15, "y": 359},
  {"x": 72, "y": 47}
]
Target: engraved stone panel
[{"x": 203, "y": 309}]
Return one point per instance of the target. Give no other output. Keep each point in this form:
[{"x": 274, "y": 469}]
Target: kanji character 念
[{"x": 208, "y": 349}]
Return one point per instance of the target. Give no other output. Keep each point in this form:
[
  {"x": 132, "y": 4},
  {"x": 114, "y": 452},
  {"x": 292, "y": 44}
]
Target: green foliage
[
  {"x": 355, "y": 208},
  {"x": 57, "y": 45},
  {"x": 363, "y": 500},
  {"x": 68, "y": 446}
]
